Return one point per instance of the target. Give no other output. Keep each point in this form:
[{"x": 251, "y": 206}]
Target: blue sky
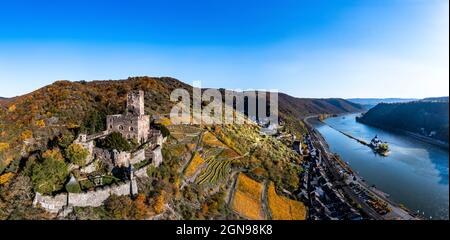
[{"x": 340, "y": 48}]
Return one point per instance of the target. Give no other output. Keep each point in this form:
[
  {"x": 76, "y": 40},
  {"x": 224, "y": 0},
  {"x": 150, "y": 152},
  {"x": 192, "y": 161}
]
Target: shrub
[
  {"x": 115, "y": 141},
  {"x": 76, "y": 154}
]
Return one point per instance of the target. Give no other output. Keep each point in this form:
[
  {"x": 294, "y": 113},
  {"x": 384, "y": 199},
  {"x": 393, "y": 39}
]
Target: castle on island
[{"x": 133, "y": 125}]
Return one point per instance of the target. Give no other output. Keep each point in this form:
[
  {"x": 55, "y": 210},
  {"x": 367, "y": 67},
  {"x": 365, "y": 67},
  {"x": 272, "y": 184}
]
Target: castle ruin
[{"x": 133, "y": 125}]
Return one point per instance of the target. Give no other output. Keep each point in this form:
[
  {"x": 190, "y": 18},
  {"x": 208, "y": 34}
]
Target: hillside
[
  {"x": 29, "y": 121},
  {"x": 301, "y": 107},
  {"x": 429, "y": 119},
  {"x": 39, "y": 125}
]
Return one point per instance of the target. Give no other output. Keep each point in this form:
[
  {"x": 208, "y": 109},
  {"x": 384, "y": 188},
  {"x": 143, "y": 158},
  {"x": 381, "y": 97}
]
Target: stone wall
[
  {"x": 96, "y": 198},
  {"x": 121, "y": 159},
  {"x": 157, "y": 156},
  {"x": 137, "y": 156},
  {"x": 51, "y": 203},
  {"x": 142, "y": 172},
  {"x": 105, "y": 157}
]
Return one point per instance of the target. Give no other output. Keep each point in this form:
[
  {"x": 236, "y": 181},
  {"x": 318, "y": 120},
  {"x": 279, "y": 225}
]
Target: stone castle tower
[
  {"x": 134, "y": 124},
  {"x": 135, "y": 103}
]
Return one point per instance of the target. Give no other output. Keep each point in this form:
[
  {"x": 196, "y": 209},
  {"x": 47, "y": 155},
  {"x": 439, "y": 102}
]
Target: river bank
[
  {"x": 397, "y": 211},
  {"x": 415, "y": 173}
]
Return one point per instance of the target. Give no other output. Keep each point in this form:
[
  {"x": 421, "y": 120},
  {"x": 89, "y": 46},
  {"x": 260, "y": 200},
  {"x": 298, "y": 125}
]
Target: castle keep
[{"x": 134, "y": 124}]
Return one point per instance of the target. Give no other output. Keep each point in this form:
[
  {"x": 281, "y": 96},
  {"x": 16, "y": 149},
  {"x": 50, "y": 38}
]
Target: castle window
[
  {"x": 128, "y": 136},
  {"x": 131, "y": 129},
  {"x": 110, "y": 126},
  {"x": 121, "y": 127}
]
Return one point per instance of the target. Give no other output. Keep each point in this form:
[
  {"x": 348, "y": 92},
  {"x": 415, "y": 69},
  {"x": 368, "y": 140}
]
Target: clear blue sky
[{"x": 365, "y": 48}]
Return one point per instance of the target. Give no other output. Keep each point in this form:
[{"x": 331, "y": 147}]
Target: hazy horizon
[{"x": 320, "y": 49}]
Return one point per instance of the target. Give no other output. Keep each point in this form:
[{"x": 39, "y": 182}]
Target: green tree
[
  {"x": 49, "y": 176},
  {"x": 76, "y": 154},
  {"x": 115, "y": 141}
]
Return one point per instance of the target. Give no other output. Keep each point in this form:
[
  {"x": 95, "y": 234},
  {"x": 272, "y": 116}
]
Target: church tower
[{"x": 135, "y": 103}]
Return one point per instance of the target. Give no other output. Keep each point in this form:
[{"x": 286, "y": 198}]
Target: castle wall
[
  {"x": 121, "y": 159},
  {"x": 51, "y": 203},
  {"x": 86, "y": 144},
  {"x": 130, "y": 126},
  {"x": 96, "y": 198},
  {"x": 157, "y": 156},
  {"x": 137, "y": 156}
]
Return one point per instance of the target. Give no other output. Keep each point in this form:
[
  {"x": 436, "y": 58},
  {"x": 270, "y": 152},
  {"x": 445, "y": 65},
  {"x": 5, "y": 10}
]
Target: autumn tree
[
  {"x": 120, "y": 207},
  {"x": 54, "y": 154},
  {"x": 142, "y": 211},
  {"x": 76, "y": 154},
  {"x": 158, "y": 205}
]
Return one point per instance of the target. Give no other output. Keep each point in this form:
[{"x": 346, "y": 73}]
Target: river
[{"x": 414, "y": 174}]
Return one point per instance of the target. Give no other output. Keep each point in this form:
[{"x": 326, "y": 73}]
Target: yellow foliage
[
  {"x": 158, "y": 205},
  {"x": 283, "y": 208},
  {"x": 12, "y": 108},
  {"x": 6, "y": 177},
  {"x": 210, "y": 139},
  {"x": 27, "y": 134},
  {"x": 3, "y": 146},
  {"x": 247, "y": 198},
  {"x": 53, "y": 153},
  {"x": 164, "y": 121},
  {"x": 191, "y": 146},
  {"x": 72, "y": 125},
  {"x": 40, "y": 123},
  {"x": 196, "y": 161}
]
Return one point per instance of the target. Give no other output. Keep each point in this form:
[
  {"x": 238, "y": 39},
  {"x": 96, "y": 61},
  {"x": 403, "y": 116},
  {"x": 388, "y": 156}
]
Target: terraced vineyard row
[{"x": 216, "y": 171}]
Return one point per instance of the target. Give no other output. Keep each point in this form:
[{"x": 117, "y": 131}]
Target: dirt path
[
  {"x": 264, "y": 200},
  {"x": 186, "y": 163}
]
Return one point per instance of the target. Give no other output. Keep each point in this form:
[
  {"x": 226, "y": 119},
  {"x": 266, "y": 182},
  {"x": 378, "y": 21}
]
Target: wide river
[{"x": 414, "y": 174}]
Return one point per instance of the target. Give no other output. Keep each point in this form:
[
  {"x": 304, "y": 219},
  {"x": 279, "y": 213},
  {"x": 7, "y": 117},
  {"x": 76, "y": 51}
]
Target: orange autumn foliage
[
  {"x": 283, "y": 208},
  {"x": 142, "y": 210},
  {"x": 247, "y": 198},
  {"x": 27, "y": 134},
  {"x": 158, "y": 205},
  {"x": 6, "y": 177}
]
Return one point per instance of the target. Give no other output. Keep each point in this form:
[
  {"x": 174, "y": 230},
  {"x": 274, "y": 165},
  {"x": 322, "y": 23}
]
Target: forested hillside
[{"x": 426, "y": 118}]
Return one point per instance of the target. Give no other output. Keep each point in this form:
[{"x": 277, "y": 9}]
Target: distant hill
[
  {"x": 301, "y": 107},
  {"x": 424, "y": 118},
  {"x": 371, "y": 102},
  {"x": 438, "y": 99}
]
